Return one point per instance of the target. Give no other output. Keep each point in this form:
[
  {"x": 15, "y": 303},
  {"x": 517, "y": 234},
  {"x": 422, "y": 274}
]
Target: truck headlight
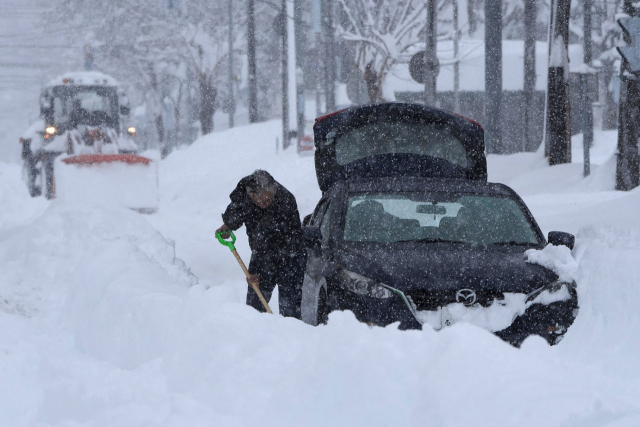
[
  {"x": 132, "y": 131},
  {"x": 50, "y": 130},
  {"x": 361, "y": 285}
]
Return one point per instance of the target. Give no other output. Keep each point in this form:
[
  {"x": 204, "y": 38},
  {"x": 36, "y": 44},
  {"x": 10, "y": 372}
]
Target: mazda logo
[{"x": 466, "y": 296}]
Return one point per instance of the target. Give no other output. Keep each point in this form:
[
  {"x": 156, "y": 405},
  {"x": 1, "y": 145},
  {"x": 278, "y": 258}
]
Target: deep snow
[{"x": 103, "y": 324}]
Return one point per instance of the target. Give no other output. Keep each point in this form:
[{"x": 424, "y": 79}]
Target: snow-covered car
[{"x": 433, "y": 250}]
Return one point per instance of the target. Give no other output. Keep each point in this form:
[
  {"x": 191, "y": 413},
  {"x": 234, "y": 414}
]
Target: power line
[{"x": 17, "y": 46}]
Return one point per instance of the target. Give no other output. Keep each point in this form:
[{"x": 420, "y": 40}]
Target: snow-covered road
[{"x": 102, "y": 324}]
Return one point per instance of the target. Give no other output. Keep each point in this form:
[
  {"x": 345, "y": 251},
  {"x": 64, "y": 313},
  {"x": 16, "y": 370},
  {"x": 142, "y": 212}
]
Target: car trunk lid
[{"x": 397, "y": 140}]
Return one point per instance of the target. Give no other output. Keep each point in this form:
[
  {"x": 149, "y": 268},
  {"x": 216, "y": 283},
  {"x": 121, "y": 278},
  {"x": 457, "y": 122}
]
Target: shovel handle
[
  {"x": 232, "y": 248},
  {"x": 253, "y": 285}
]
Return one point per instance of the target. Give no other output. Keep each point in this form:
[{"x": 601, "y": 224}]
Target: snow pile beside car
[
  {"x": 556, "y": 258},
  {"x": 606, "y": 334}
]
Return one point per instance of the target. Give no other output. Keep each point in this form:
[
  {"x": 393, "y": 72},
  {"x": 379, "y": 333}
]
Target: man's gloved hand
[
  {"x": 223, "y": 229},
  {"x": 254, "y": 279}
]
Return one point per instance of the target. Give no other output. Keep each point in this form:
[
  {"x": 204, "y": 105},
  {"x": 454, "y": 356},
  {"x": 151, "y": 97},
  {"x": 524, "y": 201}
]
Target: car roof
[
  {"x": 410, "y": 184},
  {"x": 335, "y": 117}
]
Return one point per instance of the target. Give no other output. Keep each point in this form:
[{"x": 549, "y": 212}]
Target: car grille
[{"x": 432, "y": 299}]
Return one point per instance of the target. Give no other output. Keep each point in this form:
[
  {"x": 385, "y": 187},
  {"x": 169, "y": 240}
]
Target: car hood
[{"x": 446, "y": 267}]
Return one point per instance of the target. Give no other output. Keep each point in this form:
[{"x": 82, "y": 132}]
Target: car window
[
  {"x": 400, "y": 138},
  {"x": 319, "y": 212},
  {"x": 325, "y": 226},
  {"x": 418, "y": 217},
  {"x": 322, "y": 219}
]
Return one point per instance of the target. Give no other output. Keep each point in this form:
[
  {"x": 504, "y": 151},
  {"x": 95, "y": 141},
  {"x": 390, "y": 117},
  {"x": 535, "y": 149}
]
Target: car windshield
[
  {"x": 400, "y": 138},
  {"x": 459, "y": 218},
  {"x": 88, "y": 105}
]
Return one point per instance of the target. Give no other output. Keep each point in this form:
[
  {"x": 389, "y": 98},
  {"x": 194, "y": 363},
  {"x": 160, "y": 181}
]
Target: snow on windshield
[{"x": 83, "y": 105}]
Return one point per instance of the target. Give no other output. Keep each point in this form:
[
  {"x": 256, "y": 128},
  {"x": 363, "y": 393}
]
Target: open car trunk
[{"x": 397, "y": 139}]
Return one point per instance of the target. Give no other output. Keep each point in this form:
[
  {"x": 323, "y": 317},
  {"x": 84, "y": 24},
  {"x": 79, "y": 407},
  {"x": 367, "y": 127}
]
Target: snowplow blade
[{"x": 127, "y": 180}]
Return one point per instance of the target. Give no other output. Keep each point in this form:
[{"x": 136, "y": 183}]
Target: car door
[{"x": 317, "y": 262}]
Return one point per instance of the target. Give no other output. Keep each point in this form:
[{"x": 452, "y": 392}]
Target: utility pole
[
  {"x": 587, "y": 109},
  {"x": 285, "y": 76},
  {"x": 628, "y": 161},
  {"x": 529, "y": 86},
  {"x": 251, "y": 59},
  {"x": 430, "y": 56},
  {"x": 456, "y": 64},
  {"x": 558, "y": 120},
  {"x": 232, "y": 100},
  {"x": 316, "y": 20},
  {"x": 329, "y": 59},
  {"x": 493, "y": 75},
  {"x": 299, "y": 40}
]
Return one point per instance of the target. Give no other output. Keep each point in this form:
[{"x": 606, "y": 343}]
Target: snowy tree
[
  {"x": 150, "y": 45},
  {"x": 206, "y": 49},
  {"x": 383, "y": 31},
  {"x": 134, "y": 41},
  {"x": 606, "y": 35}
]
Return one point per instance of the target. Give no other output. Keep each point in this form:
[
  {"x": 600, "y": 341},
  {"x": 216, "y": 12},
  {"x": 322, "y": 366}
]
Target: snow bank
[
  {"x": 605, "y": 337},
  {"x": 17, "y": 207},
  {"x": 115, "y": 331},
  {"x": 77, "y": 244}
]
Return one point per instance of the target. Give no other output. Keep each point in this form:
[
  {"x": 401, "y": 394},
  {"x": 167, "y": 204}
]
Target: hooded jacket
[{"x": 274, "y": 231}]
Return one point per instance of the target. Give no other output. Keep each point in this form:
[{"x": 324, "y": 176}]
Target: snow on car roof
[{"x": 84, "y": 78}]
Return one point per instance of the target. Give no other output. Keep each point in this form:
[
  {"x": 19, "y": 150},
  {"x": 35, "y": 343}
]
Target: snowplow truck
[{"x": 82, "y": 145}]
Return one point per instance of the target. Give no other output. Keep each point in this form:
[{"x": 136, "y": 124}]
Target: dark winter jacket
[{"x": 274, "y": 231}]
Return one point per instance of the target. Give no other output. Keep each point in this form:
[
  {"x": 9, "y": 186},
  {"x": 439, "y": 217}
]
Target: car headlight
[
  {"x": 361, "y": 285},
  {"x": 554, "y": 291},
  {"x": 131, "y": 130},
  {"x": 50, "y": 130}
]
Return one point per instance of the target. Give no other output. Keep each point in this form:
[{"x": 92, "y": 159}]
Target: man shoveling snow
[{"x": 278, "y": 257}]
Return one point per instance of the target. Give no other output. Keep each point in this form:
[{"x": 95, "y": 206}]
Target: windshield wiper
[
  {"x": 431, "y": 240},
  {"x": 514, "y": 243}
]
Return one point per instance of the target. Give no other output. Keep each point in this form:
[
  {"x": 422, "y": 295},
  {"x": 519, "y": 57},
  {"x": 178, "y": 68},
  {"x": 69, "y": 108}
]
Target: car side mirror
[
  {"x": 558, "y": 238},
  {"x": 312, "y": 235}
]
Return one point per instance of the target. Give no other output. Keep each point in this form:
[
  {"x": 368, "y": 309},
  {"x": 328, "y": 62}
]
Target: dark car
[{"x": 429, "y": 250}]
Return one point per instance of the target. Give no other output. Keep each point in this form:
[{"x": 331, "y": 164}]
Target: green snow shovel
[{"x": 232, "y": 248}]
